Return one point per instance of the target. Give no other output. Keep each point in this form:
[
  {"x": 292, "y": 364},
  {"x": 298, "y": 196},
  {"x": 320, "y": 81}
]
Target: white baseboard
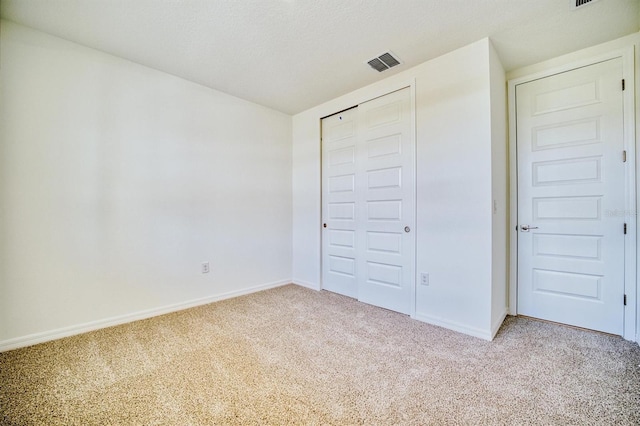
[
  {"x": 307, "y": 284},
  {"x": 455, "y": 326},
  {"x": 33, "y": 339},
  {"x": 496, "y": 325}
]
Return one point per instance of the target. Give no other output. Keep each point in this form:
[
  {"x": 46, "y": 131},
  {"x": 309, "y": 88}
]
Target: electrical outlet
[
  {"x": 205, "y": 267},
  {"x": 424, "y": 278}
]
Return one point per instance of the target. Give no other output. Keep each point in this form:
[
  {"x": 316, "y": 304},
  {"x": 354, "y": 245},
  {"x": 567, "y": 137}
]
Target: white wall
[
  {"x": 307, "y": 186},
  {"x": 117, "y": 181},
  {"x": 499, "y": 185},
  {"x": 454, "y": 185},
  {"x": 454, "y": 190}
]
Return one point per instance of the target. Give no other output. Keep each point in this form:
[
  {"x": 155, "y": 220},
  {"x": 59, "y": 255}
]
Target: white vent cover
[
  {"x": 576, "y": 4},
  {"x": 384, "y": 61}
]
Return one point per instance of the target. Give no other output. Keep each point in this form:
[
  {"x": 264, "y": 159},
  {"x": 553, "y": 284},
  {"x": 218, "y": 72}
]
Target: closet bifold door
[{"x": 368, "y": 202}]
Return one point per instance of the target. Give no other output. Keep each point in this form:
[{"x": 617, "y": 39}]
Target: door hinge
[
  {"x": 625, "y": 229},
  {"x": 625, "y": 300},
  {"x": 623, "y": 84},
  {"x": 624, "y": 156}
]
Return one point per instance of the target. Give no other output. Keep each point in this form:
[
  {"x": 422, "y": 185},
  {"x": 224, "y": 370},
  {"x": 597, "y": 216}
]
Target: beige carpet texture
[{"x": 296, "y": 356}]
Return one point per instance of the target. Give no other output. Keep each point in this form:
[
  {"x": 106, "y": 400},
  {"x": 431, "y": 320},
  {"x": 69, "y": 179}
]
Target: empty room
[{"x": 340, "y": 212}]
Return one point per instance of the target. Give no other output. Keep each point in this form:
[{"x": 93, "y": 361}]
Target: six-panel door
[{"x": 570, "y": 188}]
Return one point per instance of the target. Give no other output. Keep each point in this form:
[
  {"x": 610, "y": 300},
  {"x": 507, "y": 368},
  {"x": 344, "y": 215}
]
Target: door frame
[
  {"x": 411, "y": 84},
  {"x": 631, "y": 207}
]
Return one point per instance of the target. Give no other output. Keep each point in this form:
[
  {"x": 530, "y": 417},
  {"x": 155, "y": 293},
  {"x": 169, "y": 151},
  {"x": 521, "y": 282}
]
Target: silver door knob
[
  {"x": 407, "y": 229},
  {"x": 525, "y": 228}
]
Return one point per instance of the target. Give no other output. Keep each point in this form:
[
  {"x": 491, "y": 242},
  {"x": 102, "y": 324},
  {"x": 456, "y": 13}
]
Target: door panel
[
  {"x": 387, "y": 201},
  {"x": 570, "y": 179},
  {"x": 339, "y": 140}
]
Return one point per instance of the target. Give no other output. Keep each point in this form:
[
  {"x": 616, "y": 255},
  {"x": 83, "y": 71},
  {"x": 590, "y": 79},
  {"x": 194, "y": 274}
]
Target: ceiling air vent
[
  {"x": 384, "y": 61},
  {"x": 576, "y": 4}
]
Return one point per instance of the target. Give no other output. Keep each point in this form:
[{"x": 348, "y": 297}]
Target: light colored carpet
[{"x": 295, "y": 356}]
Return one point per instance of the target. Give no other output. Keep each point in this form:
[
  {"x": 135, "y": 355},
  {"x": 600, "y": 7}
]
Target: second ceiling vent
[
  {"x": 384, "y": 62},
  {"x": 575, "y": 4}
]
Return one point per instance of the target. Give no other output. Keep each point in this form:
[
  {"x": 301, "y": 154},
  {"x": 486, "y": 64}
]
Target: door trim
[
  {"x": 411, "y": 84},
  {"x": 631, "y": 207}
]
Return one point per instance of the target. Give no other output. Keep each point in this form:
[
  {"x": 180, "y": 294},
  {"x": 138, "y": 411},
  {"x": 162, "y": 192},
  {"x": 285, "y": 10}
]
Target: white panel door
[
  {"x": 570, "y": 184},
  {"x": 339, "y": 139},
  {"x": 368, "y": 190},
  {"x": 386, "y": 202}
]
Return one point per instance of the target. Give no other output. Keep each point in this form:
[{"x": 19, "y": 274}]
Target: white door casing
[
  {"x": 571, "y": 181},
  {"x": 368, "y": 207}
]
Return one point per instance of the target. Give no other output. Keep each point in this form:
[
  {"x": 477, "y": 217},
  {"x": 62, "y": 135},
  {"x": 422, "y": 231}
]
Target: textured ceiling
[{"x": 294, "y": 54}]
